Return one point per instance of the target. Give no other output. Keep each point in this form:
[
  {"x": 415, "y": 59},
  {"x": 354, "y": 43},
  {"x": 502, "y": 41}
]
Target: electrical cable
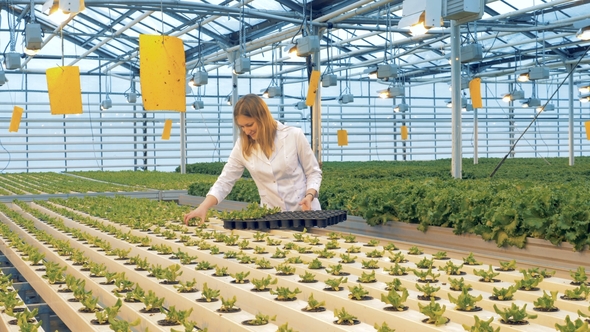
[{"x": 539, "y": 113}]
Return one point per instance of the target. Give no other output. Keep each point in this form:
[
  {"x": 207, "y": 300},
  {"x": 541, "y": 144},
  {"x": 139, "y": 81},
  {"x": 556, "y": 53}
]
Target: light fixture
[
  {"x": 228, "y": 101},
  {"x": 463, "y": 103},
  {"x": 198, "y": 104},
  {"x": 131, "y": 97},
  {"x": 464, "y": 83},
  {"x": 106, "y": 103},
  {"x": 584, "y": 97},
  {"x": 271, "y": 92},
  {"x": 199, "y": 78},
  {"x": 531, "y": 102},
  {"x": 241, "y": 65},
  {"x": 420, "y": 15},
  {"x": 547, "y": 108},
  {"x": 329, "y": 80},
  {"x": 584, "y": 88},
  {"x": 471, "y": 53},
  {"x": 12, "y": 60},
  {"x": 300, "y": 105},
  {"x": 463, "y": 11},
  {"x": 385, "y": 71},
  {"x": 513, "y": 95},
  {"x": 307, "y": 45},
  {"x": 372, "y": 73},
  {"x": 292, "y": 51},
  {"x": 3, "y": 79},
  {"x": 33, "y": 38},
  {"x": 467, "y": 108},
  {"x": 532, "y": 74},
  {"x": 60, "y": 10},
  {"x": 401, "y": 108},
  {"x": 346, "y": 98},
  {"x": 583, "y": 27},
  {"x": 391, "y": 92}
]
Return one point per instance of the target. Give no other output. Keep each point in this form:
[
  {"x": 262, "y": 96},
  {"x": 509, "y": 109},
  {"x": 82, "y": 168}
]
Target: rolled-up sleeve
[
  {"x": 310, "y": 165},
  {"x": 232, "y": 171}
]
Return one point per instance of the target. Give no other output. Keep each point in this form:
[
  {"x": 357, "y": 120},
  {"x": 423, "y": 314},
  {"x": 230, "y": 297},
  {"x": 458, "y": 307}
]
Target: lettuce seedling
[
  {"x": 546, "y": 302},
  {"x": 481, "y": 326},
  {"x": 427, "y": 290},
  {"x": 335, "y": 283},
  {"x": 279, "y": 254},
  {"x": 349, "y": 238},
  {"x": 425, "y": 263},
  {"x": 395, "y": 284},
  {"x": 470, "y": 260},
  {"x": 313, "y": 304},
  {"x": 465, "y": 301},
  {"x": 240, "y": 277},
  {"x": 383, "y": 327},
  {"x": 261, "y": 319},
  {"x": 434, "y": 312},
  {"x": 396, "y": 270},
  {"x": 367, "y": 277},
  {"x": 514, "y": 314},
  {"x": 398, "y": 257},
  {"x": 395, "y": 300},
  {"x": 285, "y": 268},
  {"x": 576, "y": 326},
  {"x": 324, "y": 253},
  {"x": 451, "y": 269},
  {"x": 344, "y": 318},
  {"x": 263, "y": 283},
  {"x": 334, "y": 270},
  {"x": 458, "y": 284},
  {"x": 188, "y": 286},
  {"x": 486, "y": 276},
  {"x": 152, "y": 302},
  {"x": 353, "y": 250},
  {"x": 285, "y": 294},
  {"x": 508, "y": 266},
  {"x": 209, "y": 294},
  {"x": 347, "y": 259},
  {"x": 228, "y": 305},
  {"x": 357, "y": 292},
  {"x": 505, "y": 294},
  {"x": 307, "y": 277},
  {"x": 315, "y": 264}
]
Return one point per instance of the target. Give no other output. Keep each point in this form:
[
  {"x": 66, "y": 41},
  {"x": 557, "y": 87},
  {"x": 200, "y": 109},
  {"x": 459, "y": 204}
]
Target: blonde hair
[{"x": 254, "y": 107}]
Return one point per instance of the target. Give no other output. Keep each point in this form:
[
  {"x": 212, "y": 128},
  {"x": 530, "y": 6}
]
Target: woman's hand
[
  {"x": 200, "y": 213},
  {"x": 306, "y": 202}
]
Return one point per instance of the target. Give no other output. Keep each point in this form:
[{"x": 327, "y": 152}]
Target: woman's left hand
[{"x": 306, "y": 203}]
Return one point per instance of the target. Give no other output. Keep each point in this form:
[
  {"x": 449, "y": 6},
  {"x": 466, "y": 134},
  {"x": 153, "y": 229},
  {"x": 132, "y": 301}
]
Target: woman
[{"x": 278, "y": 158}]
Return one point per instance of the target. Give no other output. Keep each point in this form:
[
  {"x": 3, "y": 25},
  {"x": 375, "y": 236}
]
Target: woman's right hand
[{"x": 200, "y": 213}]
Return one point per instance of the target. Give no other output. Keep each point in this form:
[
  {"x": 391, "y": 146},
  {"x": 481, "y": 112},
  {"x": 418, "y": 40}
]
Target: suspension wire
[{"x": 539, "y": 113}]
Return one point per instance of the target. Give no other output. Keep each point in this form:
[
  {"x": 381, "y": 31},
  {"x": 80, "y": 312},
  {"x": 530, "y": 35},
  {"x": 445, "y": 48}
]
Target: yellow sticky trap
[
  {"x": 17, "y": 114},
  {"x": 404, "y": 132},
  {"x": 163, "y": 73},
  {"x": 312, "y": 90},
  {"x": 475, "y": 92},
  {"x": 342, "y": 137},
  {"x": 587, "y": 125},
  {"x": 167, "y": 130},
  {"x": 63, "y": 86}
]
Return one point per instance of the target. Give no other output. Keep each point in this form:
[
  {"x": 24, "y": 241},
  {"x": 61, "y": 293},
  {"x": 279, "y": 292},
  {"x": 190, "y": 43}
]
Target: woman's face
[{"x": 248, "y": 125}]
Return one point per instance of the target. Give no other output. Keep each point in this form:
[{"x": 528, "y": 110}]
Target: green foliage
[
  {"x": 451, "y": 269},
  {"x": 395, "y": 284},
  {"x": 151, "y": 301},
  {"x": 228, "y": 305},
  {"x": 357, "y": 292},
  {"x": 209, "y": 294},
  {"x": 428, "y": 290},
  {"x": 465, "y": 301},
  {"x": 349, "y": 238},
  {"x": 434, "y": 312},
  {"x": 578, "y": 293},
  {"x": 396, "y": 270},
  {"x": 344, "y": 317},
  {"x": 505, "y": 294},
  {"x": 347, "y": 259},
  {"x": 263, "y": 263},
  {"x": 440, "y": 255},
  {"x": 508, "y": 266},
  {"x": 395, "y": 300},
  {"x": 261, "y": 319},
  {"x": 315, "y": 264},
  {"x": 579, "y": 276},
  {"x": 398, "y": 257},
  {"x": 313, "y": 304},
  {"x": 284, "y": 293},
  {"x": 546, "y": 302},
  {"x": 240, "y": 277},
  {"x": 470, "y": 260},
  {"x": 576, "y": 326},
  {"x": 370, "y": 264},
  {"x": 334, "y": 270},
  {"x": 307, "y": 277},
  {"x": 108, "y": 313},
  {"x": 335, "y": 283},
  {"x": 425, "y": 263},
  {"x": 414, "y": 250},
  {"x": 481, "y": 326},
  {"x": 486, "y": 276},
  {"x": 367, "y": 277},
  {"x": 458, "y": 284},
  {"x": 514, "y": 314},
  {"x": 383, "y": 327},
  {"x": 285, "y": 268},
  {"x": 220, "y": 271},
  {"x": 176, "y": 317},
  {"x": 186, "y": 286},
  {"x": 263, "y": 283},
  {"x": 528, "y": 282}
]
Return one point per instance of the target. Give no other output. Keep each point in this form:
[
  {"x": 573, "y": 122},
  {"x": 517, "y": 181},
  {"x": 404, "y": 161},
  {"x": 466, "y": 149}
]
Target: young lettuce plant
[
  {"x": 175, "y": 317},
  {"x": 240, "y": 277},
  {"x": 109, "y": 313},
  {"x": 481, "y": 326},
  {"x": 458, "y": 284},
  {"x": 347, "y": 259},
  {"x": 428, "y": 292},
  {"x": 334, "y": 283},
  {"x": 152, "y": 302},
  {"x": 395, "y": 284},
  {"x": 465, "y": 301},
  {"x": 398, "y": 257},
  {"x": 121, "y": 325},
  {"x": 546, "y": 302},
  {"x": 486, "y": 276},
  {"x": 579, "y": 276},
  {"x": 307, "y": 277},
  {"x": 209, "y": 294},
  {"x": 425, "y": 263},
  {"x": 285, "y": 269},
  {"x": 514, "y": 315},
  {"x": 358, "y": 293},
  {"x": 367, "y": 277},
  {"x": 451, "y": 269},
  {"x": 285, "y": 294},
  {"x": 344, "y": 318},
  {"x": 579, "y": 293},
  {"x": 470, "y": 260},
  {"x": 314, "y": 305},
  {"x": 189, "y": 286},
  {"x": 370, "y": 264},
  {"x": 261, "y": 319},
  {"x": 263, "y": 283},
  {"x": 504, "y": 294},
  {"x": 220, "y": 271},
  {"x": 228, "y": 305},
  {"x": 315, "y": 264},
  {"x": 576, "y": 326},
  {"x": 507, "y": 265},
  {"x": 396, "y": 270},
  {"x": 434, "y": 312},
  {"x": 395, "y": 300},
  {"x": 263, "y": 264}
]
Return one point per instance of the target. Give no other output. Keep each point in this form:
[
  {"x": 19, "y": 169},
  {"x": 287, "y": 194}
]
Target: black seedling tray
[{"x": 290, "y": 219}]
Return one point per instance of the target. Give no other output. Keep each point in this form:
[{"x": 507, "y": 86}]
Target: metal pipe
[
  {"x": 456, "y": 99},
  {"x": 570, "y": 91}
]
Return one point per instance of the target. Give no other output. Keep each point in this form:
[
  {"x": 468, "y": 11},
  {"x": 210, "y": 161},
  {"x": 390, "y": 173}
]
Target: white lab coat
[{"x": 282, "y": 179}]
